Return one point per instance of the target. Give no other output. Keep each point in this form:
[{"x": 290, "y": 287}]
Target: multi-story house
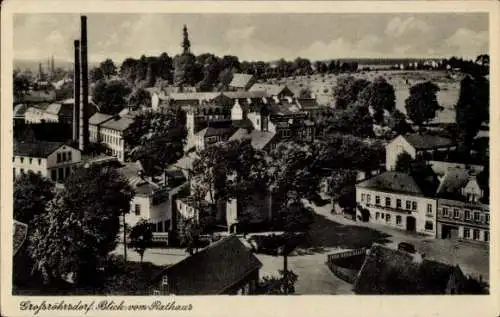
[
  {"x": 417, "y": 144},
  {"x": 396, "y": 200},
  {"x": 95, "y": 122},
  {"x": 111, "y": 135},
  {"x": 54, "y": 160},
  {"x": 226, "y": 267},
  {"x": 463, "y": 208}
]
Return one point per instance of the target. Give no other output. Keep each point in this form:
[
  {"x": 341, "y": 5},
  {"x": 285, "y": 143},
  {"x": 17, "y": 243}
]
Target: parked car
[{"x": 407, "y": 247}]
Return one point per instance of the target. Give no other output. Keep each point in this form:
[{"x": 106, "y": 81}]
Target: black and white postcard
[{"x": 249, "y": 158}]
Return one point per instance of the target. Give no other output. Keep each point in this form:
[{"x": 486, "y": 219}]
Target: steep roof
[
  {"x": 272, "y": 90},
  {"x": 214, "y": 269},
  {"x": 240, "y": 80},
  {"x": 98, "y": 118},
  {"x": 19, "y": 110},
  {"x": 308, "y": 103},
  {"x": 284, "y": 108},
  {"x": 454, "y": 180},
  {"x": 427, "y": 141},
  {"x": 393, "y": 182},
  {"x": 389, "y": 271},
  {"x": 218, "y": 128},
  {"x": 259, "y": 139},
  {"x": 120, "y": 124},
  {"x": 36, "y": 149}
]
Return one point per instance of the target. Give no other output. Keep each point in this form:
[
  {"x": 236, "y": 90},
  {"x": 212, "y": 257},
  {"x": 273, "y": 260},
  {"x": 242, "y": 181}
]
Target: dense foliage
[{"x": 422, "y": 104}]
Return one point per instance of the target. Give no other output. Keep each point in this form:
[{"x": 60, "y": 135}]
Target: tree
[
  {"x": 21, "y": 84},
  {"x": 422, "y": 104},
  {"x": 110, "y": 96},
  {"x": 398, "y": 124},
  {"x": 81, "y": 226},
  {"x": 379, "y": 96},
  {"x": 156, "y": 139},
  {"x": 96, "y": 74},
  {"x": 141, "y": 237},
  {"x": 472, "y": 108},
  {"x": 108, "y": 68},
  {"x": 191, "y": 237},
  {"x": 284, "y": 284},
  {"x": 139, "y": 98},
  {"x": 32, "y": 193},
  {"x": 404, "y": 162},
  {"x": 347, "y": 90},
  {"x": 355, "y": 120},
  {"x": 341, "y": 183}
]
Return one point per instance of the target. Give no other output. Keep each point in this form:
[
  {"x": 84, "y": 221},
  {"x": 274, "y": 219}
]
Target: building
[
  {"x": 417, "y": 144},
  {"x": 225, "y": 267},
  {"x": 387, "y": 271},
  {"x": 279, "y": 91},
  {"x": 260, "y": 140},
  {"x": 111, "y": 135},
  {"x": 153, "y": 200},
  {"x": 95, "y": 122},
  {"x": 397, "y": 200},
  {"x": 54, "y": 160},
  {"x": 35, "y": 113},
  {"x": 463, "y": 207},
  {"x": 216, "y": 131},
  {"x": 19, "y": 113},
  {"x": 241, "y": 82}
]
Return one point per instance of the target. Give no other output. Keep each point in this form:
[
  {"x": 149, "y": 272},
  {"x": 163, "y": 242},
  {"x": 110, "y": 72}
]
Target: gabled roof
[
  {"x": 193, "y": 95},
  {"x": 427, "y": 141},
  {"x": 40, "y": 149},
  {"x": 245, "y": 94},
  {"x": 454, "y": 180},
  {"x": 214, "y": 269},
  {"x": 389, "y": 271},
  {"x": 222, "y": 128},
  {"x": 272, "y": 90},
  {"x": 259, "y": 139},
  {"x": 308, "y": 103},
  {"x": 98, "y": 118},
  {"x": 240, "y": 80},
  {"x": 120, "y": 124},
  {"x": 393, "y": 182}
]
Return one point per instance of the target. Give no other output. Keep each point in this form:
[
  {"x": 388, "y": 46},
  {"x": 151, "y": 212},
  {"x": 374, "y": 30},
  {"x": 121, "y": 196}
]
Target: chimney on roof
[{"x": 84, "y": 87}]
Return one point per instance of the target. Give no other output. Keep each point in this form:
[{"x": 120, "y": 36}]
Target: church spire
[{"x": 186, "y": 45}]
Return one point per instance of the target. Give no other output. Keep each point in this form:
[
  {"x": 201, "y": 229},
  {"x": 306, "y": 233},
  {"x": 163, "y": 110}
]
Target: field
[{"x": 449, "y": 84}]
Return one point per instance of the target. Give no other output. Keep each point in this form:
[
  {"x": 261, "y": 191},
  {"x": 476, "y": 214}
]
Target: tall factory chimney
[
  {"x": 84, "y": 87},
  {"x": 76, "y": 93}
]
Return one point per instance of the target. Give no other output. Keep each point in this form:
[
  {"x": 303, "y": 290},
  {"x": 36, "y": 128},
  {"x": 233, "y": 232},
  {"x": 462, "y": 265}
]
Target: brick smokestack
[
  {"x": 76, "y": 93},
  {"x": 84, "y": 87}
]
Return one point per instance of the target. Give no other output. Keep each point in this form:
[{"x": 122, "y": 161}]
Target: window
[
  {"x": 368, "y": 198},
  {"x": 362, "y": 197},
  {"x": 456, "y": 213},
  {"x": 398, "y": 203},
  {"x": 382, "y": 215},
  {"x": 475, "y": 234},
  {"x": 414, "y": 205},
  {"x": 477, "y": 216},
  {"x": 58, "y": 157},
  {"x": 22, "y": 160},
  {"x": 53, "y": 175},
  {"x": 486, "y": 236},
  {"x": 467, "y": 215},
  {"x": 429, "y": 209},
  {"x": 446, "y": 213},
  {"x": 137, "y": 209},
  {"x": 387, "y": 217},
  {"x": 387, "y": 201},
  {"x": 466, "y": 233},
  {"x": 377, "y": 215},
  {"x": 408, "y": 204},
  {"x": 398, "y": 220},
  {"x": 22, "y": 170},
  {"x": 160, "y": 226},
  {"x": 39, "y": 161},
  {"x": 31, "y": 160},
  {"x": 164, "y": 284},
  {"x": 156, "y": 292},
  {"x": 429, "y": 225},
  {"x": 64, "y": 156},
  {"x": 60, "y": 172},
  {"x": 67, "y": 171},
  {"x": 487, "y": 218},
  {"x": 377, "y": 200}
]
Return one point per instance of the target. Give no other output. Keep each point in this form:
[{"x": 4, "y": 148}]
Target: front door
[{"x": 410, "y": 223}]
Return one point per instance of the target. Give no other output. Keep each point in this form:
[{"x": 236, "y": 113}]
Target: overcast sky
[{"x": 255, "y": 36}]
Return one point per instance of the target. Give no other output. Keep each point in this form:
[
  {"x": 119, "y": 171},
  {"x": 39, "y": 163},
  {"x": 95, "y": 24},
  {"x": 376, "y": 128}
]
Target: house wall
[
  {"x": 471, "y": 217},
  {"x": 236, "y": 112},
  {"x": 33, "y": 115},
  {"x": 255, "y": 118},
  {"x": 155, "y": 101},
  {"x": 113, "y": 139},
  {"x": 394, "y": 149},
  {"x": 23, "y": 164},
  {"x": 56, "y": 165},
  {"x": 425, "y": 209}
]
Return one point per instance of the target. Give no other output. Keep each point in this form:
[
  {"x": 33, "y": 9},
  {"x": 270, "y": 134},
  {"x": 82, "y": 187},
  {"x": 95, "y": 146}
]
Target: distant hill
[{"x": 32, "y": 65}]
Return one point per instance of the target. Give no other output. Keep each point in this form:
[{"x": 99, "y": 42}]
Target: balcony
[{"x": 393, "y": 209}]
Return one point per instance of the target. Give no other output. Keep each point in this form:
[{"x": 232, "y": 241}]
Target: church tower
[{"x": 186, "y": 45}]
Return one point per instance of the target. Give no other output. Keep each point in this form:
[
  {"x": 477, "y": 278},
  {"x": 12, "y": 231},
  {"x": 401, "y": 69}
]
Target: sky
[{"x": 267, "y": 36}]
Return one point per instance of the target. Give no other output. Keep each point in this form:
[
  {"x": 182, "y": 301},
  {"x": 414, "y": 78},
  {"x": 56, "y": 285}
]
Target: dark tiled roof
[
  {"x": 240, "y": 134},
  {"x": 119, "y": 124},
  {"x": 284, "y": 108},
  {"x": 218, "y": 128},
  {"x": 240, "y": 80},
  {"x": 214, "y": 269},
  {"x": 389, "y": 271},
  {"x": 393, "y": 182},
  {"x": 272, "y": 90},
  {"x": 427, "y": 141},
  {"x": 99, "y": 118},
  {"x": 36, "y": 149},
  {"x": 307, "y": 103},
  {"x": 259, "y": 139}
]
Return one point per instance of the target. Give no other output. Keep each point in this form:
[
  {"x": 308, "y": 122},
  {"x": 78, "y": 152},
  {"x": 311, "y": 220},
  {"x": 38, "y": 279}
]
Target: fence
[{"x": 347, "y": 274}]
